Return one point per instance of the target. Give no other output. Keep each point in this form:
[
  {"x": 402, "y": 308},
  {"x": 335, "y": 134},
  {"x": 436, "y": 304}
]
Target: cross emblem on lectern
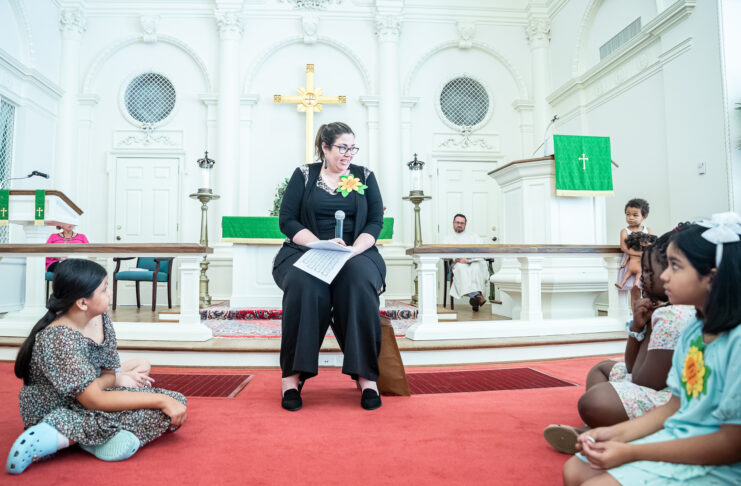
[
  {"x": 4, "y": 211},
  {"x": 584, "y": 159},
  {"x": 39, "y": 211}
]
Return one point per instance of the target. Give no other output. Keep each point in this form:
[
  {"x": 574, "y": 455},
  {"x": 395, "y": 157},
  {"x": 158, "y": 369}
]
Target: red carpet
[
  {"x": 480, "y": 380},
  {"x": 222, "y": 386},
  {"x": 458, "y": 438}
]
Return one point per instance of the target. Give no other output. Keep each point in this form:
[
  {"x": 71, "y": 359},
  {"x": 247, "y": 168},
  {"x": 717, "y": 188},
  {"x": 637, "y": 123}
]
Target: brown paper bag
[{"x": 392, "y": 379}]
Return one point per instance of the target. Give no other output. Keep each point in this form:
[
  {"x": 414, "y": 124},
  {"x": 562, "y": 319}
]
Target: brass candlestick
[
  {"x": 416, "y": 197},
  {"x": 205, "y": 196}
]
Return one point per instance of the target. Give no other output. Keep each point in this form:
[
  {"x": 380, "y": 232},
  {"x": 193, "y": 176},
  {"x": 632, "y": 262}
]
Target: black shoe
[
  {"x": 474, "y": 303},
  {"x": 370, "y": 400},
  {"x": 291, "y": 400}
]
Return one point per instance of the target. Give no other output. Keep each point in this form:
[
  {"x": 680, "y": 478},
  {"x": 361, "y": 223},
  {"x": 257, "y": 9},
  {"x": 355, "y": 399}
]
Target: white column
[
  {"x": 35, "y": 306},
  {"x": 245, "y": 150},
  {"x": 525, "y": 109},
  {"x": 617, "y": 300},
  {"x": 373, "y": 142},
  {"x": 406, "y": 219},
  {"x": 227, "y": 121},
  {"x": 427, "y": 280},
  {"x": 531, "y": 269},
  {"x": 538, "y": 34},
  {"x": 65, "y": 169},
  {"x": 388, "y": 28}
]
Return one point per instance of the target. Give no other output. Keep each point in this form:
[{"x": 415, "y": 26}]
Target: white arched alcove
[
  {"x": 15, "y": 36},
  {"x": 109, "y": 134},
  {"x": 277, "y": 135}
]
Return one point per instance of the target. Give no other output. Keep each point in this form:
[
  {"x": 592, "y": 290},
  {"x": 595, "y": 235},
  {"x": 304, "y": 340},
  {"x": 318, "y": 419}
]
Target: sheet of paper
[
  {"x": 329, "y": 245},
  {"x": 323, "y": 264}
]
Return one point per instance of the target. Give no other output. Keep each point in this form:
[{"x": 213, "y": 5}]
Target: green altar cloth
[{"x": 263, "y": 230}]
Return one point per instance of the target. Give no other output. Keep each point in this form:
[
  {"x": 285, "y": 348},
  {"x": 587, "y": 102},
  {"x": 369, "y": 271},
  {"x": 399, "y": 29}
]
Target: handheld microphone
[
  {"x": 339, "y": 217},
  {"x": 40, "y": 174}
]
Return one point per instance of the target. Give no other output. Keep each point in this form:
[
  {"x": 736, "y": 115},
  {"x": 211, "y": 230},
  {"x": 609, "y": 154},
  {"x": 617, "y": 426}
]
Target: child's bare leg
[
  {"x": 600, "y": 373},
  {"x": 576, "y": 472},
  {"x": 625, "y": 280},
  {"x": 601, "y": 406},
  {"x": 140, "y": 365}
]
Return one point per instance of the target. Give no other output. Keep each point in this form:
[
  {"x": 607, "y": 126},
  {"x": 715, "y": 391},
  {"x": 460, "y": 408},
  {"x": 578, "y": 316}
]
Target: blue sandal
[{"x": 37, "y": 441}]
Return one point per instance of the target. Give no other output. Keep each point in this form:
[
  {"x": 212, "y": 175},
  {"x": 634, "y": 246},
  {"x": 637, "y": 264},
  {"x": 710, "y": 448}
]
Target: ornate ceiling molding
[
  {"x": 72, "y": 22},
  {"x": 312, "y": 4}
]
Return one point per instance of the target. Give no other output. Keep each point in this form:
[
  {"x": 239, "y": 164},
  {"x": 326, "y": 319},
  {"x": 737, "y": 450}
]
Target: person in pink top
[{"x": 66, "y": 236}]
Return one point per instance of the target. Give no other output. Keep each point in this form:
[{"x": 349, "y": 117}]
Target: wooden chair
[
  {"x": 147, "y": 270},
  {"x": 448, "y": 275}
]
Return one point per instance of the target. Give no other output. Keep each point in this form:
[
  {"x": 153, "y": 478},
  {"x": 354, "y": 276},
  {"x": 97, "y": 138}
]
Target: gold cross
[
  {"x": 308, "y": 101},
  {"x": 39, "y": 210},
  {"x": 4, "y": 211},
  {"x": 583, "y": 159}
]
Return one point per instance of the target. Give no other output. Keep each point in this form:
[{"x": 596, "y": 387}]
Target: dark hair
[
  {"x": 637, "y": 203},
  {"x": 655, "y": 253},
  {"x": 639, "y": 240},
  {"x": 722, "y": 310},
  {"x": 328, "y": 134},
  {"x": 459, "y": 215},
  {"x": 74, "y": 279}
]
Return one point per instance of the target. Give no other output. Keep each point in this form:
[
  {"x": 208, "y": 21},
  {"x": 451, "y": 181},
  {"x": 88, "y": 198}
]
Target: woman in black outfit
[{"x": 350, "y": 303}]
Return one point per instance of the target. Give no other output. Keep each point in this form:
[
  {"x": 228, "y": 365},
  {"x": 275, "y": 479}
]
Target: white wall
[
  {"x": 659, "y": 99},
  {"x": 731, "y": 18}
]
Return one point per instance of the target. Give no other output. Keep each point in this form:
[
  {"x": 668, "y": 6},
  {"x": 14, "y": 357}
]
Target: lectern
[{"x": 59, "y": 209}]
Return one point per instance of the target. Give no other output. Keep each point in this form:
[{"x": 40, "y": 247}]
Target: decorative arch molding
[
  {"x": 516, "y": 76},
  {"x": 345, "y": 50},
  {"x": 104, "y": 56},
  {"x": 585, "y": 26},
  {"x": 28, "y": 50}
]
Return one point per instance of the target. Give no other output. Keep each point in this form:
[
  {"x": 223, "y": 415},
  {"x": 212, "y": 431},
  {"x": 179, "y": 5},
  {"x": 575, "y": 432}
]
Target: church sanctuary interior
[{"x": 157, "y": 138}]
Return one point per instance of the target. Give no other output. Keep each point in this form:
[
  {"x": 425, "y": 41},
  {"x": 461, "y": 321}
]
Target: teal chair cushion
[
  {"x": 140, "y": 275},
  {"x": 49, "y": 276},
  {"x": 149, "y": 264}
]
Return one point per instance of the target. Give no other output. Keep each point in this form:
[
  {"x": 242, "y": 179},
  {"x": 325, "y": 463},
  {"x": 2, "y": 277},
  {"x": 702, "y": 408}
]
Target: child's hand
[
  {"x": 592, "y": 436},
  {"x": 606, "y": 455},
  {"x": 133, "y": 379},
  {"x": 642, "y": 310},
  {"x": 175, "y": 410}
]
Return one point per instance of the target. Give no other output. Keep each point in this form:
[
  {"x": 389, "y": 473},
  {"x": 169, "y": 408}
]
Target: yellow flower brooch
[
  {"x": 350, "y": 183},
  {"x": 695, "y": 373}
]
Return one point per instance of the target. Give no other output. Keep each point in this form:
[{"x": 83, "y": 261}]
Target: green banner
[
  {"x": 39, "y": 207},
  {"x": 4, "y": 206},
  {"x": 256, "y": 228},
  {"x": 583, "y": 166}
]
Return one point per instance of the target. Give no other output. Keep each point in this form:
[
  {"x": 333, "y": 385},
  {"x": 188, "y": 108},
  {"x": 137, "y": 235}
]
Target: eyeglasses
[{"x": 344, "y": 149}]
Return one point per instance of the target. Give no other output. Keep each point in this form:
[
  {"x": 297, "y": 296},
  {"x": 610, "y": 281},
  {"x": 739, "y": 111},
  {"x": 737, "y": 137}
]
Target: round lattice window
[
  {"x": 464, "y": 102},
  {"x": 149, "y": 98}
]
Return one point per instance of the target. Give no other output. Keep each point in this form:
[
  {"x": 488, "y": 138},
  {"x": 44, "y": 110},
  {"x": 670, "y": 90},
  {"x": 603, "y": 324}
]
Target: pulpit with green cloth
[{"x": 257, "y": 240}]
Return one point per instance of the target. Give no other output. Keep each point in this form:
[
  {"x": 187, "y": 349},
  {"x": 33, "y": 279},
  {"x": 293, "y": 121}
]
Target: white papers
[{"x": 324, "y": 260}]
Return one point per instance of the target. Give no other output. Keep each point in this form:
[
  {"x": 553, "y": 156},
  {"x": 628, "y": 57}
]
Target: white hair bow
[{"x": 724, "y": 228}]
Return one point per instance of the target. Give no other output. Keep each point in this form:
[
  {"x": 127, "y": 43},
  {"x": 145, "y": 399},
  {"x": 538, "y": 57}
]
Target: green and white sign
[{"x": 583, "y": 166}]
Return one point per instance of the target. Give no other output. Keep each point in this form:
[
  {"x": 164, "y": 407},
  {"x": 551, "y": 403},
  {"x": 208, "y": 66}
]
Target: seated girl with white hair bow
[{"x": 696, "y": 437}]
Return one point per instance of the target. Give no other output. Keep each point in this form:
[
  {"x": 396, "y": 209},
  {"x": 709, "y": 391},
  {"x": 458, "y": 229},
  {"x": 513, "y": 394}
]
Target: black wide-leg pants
[{"x": 350, "y": 304}]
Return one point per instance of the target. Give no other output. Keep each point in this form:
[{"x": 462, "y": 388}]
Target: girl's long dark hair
[
  {"x": 73, "y": 279},
  {"x": 723, "y": 306}
]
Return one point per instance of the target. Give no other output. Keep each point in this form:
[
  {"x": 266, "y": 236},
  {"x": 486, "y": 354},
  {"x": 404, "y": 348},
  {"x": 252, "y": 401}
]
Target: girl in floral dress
[
  {"x": 620, "y": 390},
  {"x": 695, "y": 438},
  {"x": 67, "y": 365}
]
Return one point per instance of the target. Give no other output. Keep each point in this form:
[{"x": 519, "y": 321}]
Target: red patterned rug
[
  {"x": 481, "y": 380},
  {"x": 223, "y": 386}
]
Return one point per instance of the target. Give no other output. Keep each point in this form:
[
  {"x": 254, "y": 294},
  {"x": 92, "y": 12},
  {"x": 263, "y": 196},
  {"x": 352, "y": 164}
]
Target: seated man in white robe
[{"x": 469, "y": 274}]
